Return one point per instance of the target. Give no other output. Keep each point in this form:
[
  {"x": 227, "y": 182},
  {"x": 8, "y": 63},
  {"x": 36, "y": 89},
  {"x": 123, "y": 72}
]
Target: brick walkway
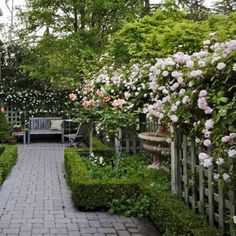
[{"x": 35, "y": 200}]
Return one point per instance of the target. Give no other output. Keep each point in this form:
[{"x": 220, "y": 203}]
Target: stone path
[{"x": 35, "y": 200}]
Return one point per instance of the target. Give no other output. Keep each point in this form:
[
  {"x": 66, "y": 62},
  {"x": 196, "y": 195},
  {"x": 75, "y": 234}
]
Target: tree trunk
[
  {"x": 82, "y": 14},
  {"x": 75, "y": 18},
  {"x": 147, "y": 6}
]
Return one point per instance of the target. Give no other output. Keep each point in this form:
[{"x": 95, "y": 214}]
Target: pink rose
[
  {"x": 207, "y": 143},
  {"x": 203, "y": 93},
  {"x": 72, "y": 96},
  {"x": 118, "y": 103}
]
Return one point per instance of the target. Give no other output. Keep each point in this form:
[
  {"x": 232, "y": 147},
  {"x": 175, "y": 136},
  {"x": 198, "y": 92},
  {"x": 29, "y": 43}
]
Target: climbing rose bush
[
  {"x": 194, "y": 92},
  {"x": 197, "y": 94}
]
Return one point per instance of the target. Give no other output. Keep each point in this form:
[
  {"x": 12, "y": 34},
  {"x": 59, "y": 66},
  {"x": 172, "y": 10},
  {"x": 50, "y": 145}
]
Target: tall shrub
[{"x": 4, "y": 127}]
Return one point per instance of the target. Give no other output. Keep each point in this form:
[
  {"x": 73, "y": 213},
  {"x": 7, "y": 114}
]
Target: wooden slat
[
  {"x": 176, "y": 186},
  {"x": 221, "y": 204},
  {"x": 193, "y": 177},
  {"x": 201, "y": 189},
  {"x": 134, "y": 146},
  {"x": 232, "y": 208},
  {"x": 127, "y": 146},
  {"x": 185, "y": 168},
  {"x": 210, "y": 196}
]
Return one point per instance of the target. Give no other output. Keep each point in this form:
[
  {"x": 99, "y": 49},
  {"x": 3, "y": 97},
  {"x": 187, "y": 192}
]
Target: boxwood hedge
[
  {"x": 7, "y": 160},
  {"x": 168, "y": 213}
]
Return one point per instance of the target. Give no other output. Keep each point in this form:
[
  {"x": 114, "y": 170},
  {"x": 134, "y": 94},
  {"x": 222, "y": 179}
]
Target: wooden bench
[{"x": 42, "y": 125}]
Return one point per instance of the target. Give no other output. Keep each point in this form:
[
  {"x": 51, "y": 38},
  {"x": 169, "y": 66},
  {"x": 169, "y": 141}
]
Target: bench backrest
[{"x": 41, "y": 123}]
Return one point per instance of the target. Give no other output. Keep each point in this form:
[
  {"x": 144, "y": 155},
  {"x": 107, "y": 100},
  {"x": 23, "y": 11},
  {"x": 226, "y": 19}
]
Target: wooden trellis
[
  {"x": 13, "y": 116},
  {"x": 196, "y": 186}
]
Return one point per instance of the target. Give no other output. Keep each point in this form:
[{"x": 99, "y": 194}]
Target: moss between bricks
[
  {"x": 168, "y": 213},
  {"x": 7, "y": 161}
]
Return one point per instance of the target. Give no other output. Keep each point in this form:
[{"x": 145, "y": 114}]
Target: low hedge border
[
  {"x": 92, "y": 194},
  {"x": 172, "y": 217},
  {"x": 7, "y": 161},
  {"x": 168, "y": 213}
]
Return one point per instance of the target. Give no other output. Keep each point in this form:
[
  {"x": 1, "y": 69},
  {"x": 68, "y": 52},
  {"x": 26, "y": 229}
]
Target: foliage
[
  {"x": 4, "y": 127},
  {"x": 165, "y": 32},
  {"x": 88, "y": 193},
  {"x": 190, "y": 89},
  {"x": 71, "y": 16},
  {"x": 136, "y": 191},
  {"x": 225, "y": 7},
  {"x": 65, "y": 39},
  {"x": 7, "y": 160},
  {"x": 63, "y": 61},
  {"x": 29, "y": 96},
  {"x": 173, "y": 217}
]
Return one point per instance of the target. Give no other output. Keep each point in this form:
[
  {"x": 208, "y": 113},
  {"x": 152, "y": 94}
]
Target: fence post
[
  {"x": 118, "y": 138},
  {"x": 210, "y": 196},
  {"x": 175, "y": 163},
  {"x": 91, "y": 139},
  {"x": 193, "y": 173}
]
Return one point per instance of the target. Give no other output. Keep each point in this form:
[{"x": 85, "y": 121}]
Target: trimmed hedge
[
  {"x": 168, "y": 213},
  {"x": 91, "y": 194},
  {"x": 7, "y": 161},
  {"x": 172, "y": 216}
]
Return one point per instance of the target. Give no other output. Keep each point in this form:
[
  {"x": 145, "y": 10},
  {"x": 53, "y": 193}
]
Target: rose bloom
[
  {"x": 87, "y": 90},
  {"x": 91, "y": 103},
  {"x": 2, "y": 109},
  {"x": 203, "y": 93},
  {"x": 99, "y": 93},
  {"x": 118, "y": 103},
  {"x": 226, "y": 139},
  {"x": 106, "y": 99},
  {"x": 226, "y": 177},
  {"x": 72, "y": 96},
  {"x": 85, "y": 104},
  {"x": 207, "y": 143},
  {"x": 197, "y": 140}
]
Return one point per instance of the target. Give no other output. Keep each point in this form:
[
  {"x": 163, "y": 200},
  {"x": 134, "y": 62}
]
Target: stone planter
[{"x": 156, "y": 144}]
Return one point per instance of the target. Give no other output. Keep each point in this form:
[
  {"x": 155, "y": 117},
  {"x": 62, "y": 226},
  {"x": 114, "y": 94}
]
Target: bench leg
[
  {"x": 62, "y": 138},
  {"x": 28, "y": 138}
]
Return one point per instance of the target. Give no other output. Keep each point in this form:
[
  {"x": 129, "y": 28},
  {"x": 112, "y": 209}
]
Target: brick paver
[{"x": 35, "y": 200}]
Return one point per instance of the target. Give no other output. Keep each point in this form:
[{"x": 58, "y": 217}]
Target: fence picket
[
  {"x": 185, "y": 168},
  {"x": 221, "y": 204},
  {"x": 232, "y": 208},
  {"x": 193, "y": 172},
  {"x": 210, "y": 196}
]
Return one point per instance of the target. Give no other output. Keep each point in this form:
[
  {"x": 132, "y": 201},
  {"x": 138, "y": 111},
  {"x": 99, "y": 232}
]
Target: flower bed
[
  {"x": 8, "y": 157},
  {"x": 132, "y": 191}
]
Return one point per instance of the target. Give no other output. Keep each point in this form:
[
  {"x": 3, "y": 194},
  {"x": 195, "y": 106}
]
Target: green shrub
[
  {"x": 136, "y": 191},
  {"x": 172, "y": 217},
  {"x": 90, "y": 194},
  {"x": 4, "y": 128},
  {"x": 7, "y": 160}
]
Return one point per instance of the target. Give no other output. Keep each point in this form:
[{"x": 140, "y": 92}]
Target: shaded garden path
[{"x": 35, "y": 200}]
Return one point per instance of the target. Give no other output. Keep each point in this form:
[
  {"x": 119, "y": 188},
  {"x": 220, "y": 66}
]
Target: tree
[
  {"x": 69, "y": 16},
  {"x": 66, "y": 38},
  {"x": 225, "y": 6},
  {"x": 195, "y": 8}
]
